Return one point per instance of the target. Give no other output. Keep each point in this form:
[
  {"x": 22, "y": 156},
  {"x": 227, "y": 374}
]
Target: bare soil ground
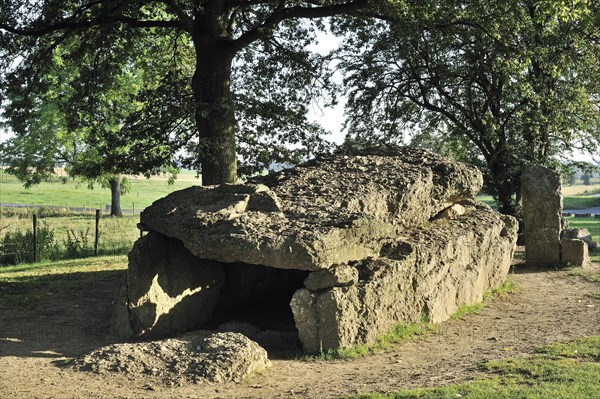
[{"x": 63, "y": 322}]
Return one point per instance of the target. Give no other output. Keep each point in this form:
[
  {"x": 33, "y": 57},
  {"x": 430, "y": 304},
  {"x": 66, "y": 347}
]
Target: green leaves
[{"x": 505, "y": 78}]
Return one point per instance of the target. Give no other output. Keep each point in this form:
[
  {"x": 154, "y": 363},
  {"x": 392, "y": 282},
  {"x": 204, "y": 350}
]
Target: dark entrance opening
[{"x": 259, "y": 296}]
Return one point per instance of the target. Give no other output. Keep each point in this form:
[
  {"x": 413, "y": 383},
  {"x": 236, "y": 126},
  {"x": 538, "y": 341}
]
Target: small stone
[
  {"x": 580, "y": 234},
  {"x": 574, "y": 252}
]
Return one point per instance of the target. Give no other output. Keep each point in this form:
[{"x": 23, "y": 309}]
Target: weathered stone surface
[
  {"x": 430, "y": 272},
  {"x": 335, "y": 276},
  {"x": 165, "y": 285},
  {"x": 231, "y": 357},
  {"x": 575, "y": 252},
  {"x": 580, "y": 234},
  {"x": 542, "y": 209},
  {"x": 356, "y": 243},
  {"x": 198, "y": 357},
  {"x": 325, "y": 212}
]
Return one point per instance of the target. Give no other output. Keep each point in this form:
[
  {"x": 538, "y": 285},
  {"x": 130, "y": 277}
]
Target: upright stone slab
[
  {"x": 429, "y": 273},
  {"x": 542, "y": 208}
]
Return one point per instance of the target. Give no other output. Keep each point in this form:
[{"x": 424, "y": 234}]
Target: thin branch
[
  {"x": 104, "y": 20},
  {"x": 185, "y": 21},
  {"x": 282, "y": 14}
]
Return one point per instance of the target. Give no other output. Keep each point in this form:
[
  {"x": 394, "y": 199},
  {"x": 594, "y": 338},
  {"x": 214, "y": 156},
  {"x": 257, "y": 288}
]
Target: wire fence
[
  {"x": 49, "y": 233},
  {"x": 26, "y": 210}
]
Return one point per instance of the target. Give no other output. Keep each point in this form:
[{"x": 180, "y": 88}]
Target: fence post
[
  {"x": 133, "y": 210},
  {"x": 96, "y": 236},
  {"x": 34, "y": 238}
]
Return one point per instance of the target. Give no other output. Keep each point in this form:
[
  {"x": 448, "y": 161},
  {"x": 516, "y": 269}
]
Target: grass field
[
  {"x": 579, "y": 197},
  {"x": 77, "y": 194},
  {"x": 68, "y": 237},
  {"x": 566, "y": 370}
]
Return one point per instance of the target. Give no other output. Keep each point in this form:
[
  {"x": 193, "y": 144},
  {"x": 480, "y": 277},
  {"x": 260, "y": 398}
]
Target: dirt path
[{"x": 549, "y": 306}]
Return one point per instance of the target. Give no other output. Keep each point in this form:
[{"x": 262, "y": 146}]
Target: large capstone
[
  {"x": 327, "y": 211},
  {"x": 335, "y": 251}
]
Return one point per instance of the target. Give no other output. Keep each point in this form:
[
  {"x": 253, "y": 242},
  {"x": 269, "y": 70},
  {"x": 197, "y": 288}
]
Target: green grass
[
  {"x": 30, "y": 286},
  {"x": 395, "y": 335},
  {"x": 487, "y": 199},
  {"x": 506, "y": 288},
  {"x": 567, "y": 370},
  {"x": 76, "y": 193},
  {"x": 569, "y": 202},
  {"x": 73, "y": 237},
  {"x": 595, "y": 295},
  {"x": 580, "y": 202},
  {"x": 592, "y": 224},
  {"x": 33, "y": 271},
  {"x": 580, "y": 348},
  {"x": 591, "y": 276},
  {"x": 465, "y": 310}
]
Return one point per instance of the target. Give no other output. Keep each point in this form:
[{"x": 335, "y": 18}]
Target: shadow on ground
[{"x": 57, "y": 315}]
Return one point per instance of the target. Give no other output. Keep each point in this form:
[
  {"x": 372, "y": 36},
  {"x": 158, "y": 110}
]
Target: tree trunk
[
  {"x": 115, "y": 196},
  {"x": 504, "y": 183},
  {"x": 215, "y": 119},
  {"x": 506, "y": 204}
]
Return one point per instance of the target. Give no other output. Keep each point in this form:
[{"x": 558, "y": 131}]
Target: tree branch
[
  {"x": 284, "y": 13},
  {"x": 185, "y": 21},
  {"x": 101, "y": 20}
]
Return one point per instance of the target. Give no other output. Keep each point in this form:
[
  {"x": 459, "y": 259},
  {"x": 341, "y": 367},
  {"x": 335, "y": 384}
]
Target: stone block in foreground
[{"x": 575, "y": 252}]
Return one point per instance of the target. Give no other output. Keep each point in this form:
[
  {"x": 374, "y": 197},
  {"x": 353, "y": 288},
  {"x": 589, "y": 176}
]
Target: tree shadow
[{"x": 53, "y": 316}]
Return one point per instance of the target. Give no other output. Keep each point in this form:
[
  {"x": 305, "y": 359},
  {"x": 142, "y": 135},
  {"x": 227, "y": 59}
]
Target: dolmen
[{"x": 343, "y": 247}]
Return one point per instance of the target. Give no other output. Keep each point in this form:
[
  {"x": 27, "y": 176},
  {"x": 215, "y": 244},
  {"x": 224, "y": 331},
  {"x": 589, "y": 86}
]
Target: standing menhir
[{"x": 542, "y": 207}]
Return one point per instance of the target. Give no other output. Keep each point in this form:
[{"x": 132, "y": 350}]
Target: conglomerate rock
[
  {"x": 327, "y": 211},
  {"x": 198, "y": 357},
  {"x": 429, "y": 274},
  {"x": 353, "y": 244}
]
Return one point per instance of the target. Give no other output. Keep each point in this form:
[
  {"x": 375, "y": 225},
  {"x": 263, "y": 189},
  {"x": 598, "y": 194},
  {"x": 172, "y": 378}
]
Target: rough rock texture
[
  {"x": 196, "y": 357},
  {"x": 325, "y": 212},
  {"x": 168, "y": 290},
  {"x": 336, "y": 276},
  {"x": 580, "y": 234},
  {"x": 165, "y": 284},
  {"x": 575, "y": 252},
  {"x": 542, "y": 209},
  {"x": 352, "y": 244},
  {"x": 430, "y": 273}
]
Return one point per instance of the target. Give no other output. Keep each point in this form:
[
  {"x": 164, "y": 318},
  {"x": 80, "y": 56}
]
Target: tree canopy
[
  {"x": 245, "y": 89},
  {"x": 56, "y": 122},
  {"x": 494, "y": 83}
]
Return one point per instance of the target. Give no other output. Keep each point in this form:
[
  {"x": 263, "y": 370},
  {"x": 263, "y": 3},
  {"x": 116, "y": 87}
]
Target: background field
[{"x": 75, "y": 193}]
